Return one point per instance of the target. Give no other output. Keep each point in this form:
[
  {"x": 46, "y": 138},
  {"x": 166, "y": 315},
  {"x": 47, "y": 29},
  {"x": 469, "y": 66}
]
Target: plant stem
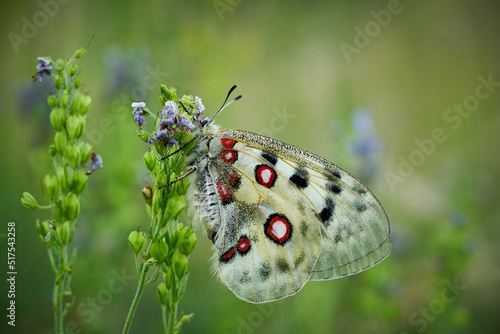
[
  {"x": 173, "y": 306},
  {"x": 137, "y": 297}
]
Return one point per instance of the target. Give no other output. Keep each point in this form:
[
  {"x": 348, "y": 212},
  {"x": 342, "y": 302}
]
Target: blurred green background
[{"x": 360, "y": 92}]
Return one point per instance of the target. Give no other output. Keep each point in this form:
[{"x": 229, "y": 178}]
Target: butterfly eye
[{"x": 204, "y": 122}]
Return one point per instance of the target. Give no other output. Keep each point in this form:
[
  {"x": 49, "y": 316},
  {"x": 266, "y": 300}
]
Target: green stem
[
  {"x": 164, "y": 318},
  {"x": 173, "y": 306},
  {"x": 137, "y": 297}
]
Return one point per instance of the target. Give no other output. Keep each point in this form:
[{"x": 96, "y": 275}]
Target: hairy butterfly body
[{"x": 279, "y": 216}]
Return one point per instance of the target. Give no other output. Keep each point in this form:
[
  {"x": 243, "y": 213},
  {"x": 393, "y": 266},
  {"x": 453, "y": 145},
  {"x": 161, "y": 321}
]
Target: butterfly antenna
[{"x": 224, "y": 105}]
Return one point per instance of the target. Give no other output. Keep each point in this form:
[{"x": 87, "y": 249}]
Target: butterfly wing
[{"x": 284, "y": 216}]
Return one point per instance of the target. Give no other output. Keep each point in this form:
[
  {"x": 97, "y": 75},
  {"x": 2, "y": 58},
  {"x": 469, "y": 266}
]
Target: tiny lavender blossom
[
  {"x": 42, "y": 68},
  {"x": 185, "y": 122},
  {"x": 95, "y": 163},
  {"x": 170, "y": 111},
  {"x": 199, "y": 108},
  {"x": 139, "y": 113}
]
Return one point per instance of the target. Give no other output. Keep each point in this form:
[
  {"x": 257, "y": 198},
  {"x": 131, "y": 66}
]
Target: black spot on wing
[
  {"x": 359, "y": 189},
  {"x": 269, "y": 157},
  {"x": 298, "y": 180},
  {"x": 333, "y": 188},
  {"x": 264, "y": 271},
  {"x": 282, "y": 265},
  {"x": 299, "y": 259},
  {"x": 327, "y": 213},
  {"x": 359, "y": 206}
]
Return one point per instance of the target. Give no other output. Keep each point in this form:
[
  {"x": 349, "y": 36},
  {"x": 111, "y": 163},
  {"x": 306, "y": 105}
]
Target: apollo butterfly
[{"x": 279, "y": 216}]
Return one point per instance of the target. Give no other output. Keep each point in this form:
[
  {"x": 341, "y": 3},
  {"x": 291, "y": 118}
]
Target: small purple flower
[
  {"x": 43, "y": 68},
  {"x": 172, "y": 142},
  {"x": 138, "y": 107},
  {"x": 139, "y": 120},
  {"x": 139, "y": 112},
  {"x": 185, "y": 122},
  {"x": 95, "y": 163},
  {"x": 199, "y": 105},
  {"x": 152, "y": 140},
  {"x": 170, "y": 111}
]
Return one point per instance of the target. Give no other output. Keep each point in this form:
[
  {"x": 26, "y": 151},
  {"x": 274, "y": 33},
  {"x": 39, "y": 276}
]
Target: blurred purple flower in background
[{"x": 366, "y": 144}]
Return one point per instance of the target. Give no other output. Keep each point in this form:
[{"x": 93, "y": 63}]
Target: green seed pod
[
  {"x": 159, "y": 251},
  {"x": 72, "y": 127},
  {"x": 72, "y": 69},
  {"x": 136, "y": 241},
  {"x": 80, "y": 182},
  {"x": 61, "y": 176},
  {"x": 149, "y": 160},
  {"x": 52, "y": 101},
  {"x": 79, "y": 53},
  {"x": 57, "y": 118},
  {"x": 85, "y": 102},
  {"x": 188, "y": 244},
  {"x": 162, "y": 293},
  {"x": 28, "y": 201},
  {"x": 60, "y": 142},
  {"x": 180, "y": 264},
  {"x": 72, "y": 207},
  {"x": 65, "y": 98},
  {"x": 176, "y": 204},
  {"x": 72, "y": 155},
  {"x": 85, "y": 151},
  {"x": 51, "y": 186},
  {"x": 77, "y": 81}
]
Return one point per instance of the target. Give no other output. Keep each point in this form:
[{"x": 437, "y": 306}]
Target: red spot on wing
[
  {"x": 278, "y": 228},
  {"x": 224, "y": 193},
  {"x": 229, "y": 156},
  {"x": 265, "y": 175},
  {"x": 243, "y": 245},
  {"x": 234, "y": 178},
  {"x": 227, "y": 143},
  {"x": 228, "y": 255}
]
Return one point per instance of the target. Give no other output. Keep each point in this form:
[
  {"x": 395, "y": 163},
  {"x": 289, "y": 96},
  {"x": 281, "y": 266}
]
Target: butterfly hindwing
[{"x": 279, "y": 216}]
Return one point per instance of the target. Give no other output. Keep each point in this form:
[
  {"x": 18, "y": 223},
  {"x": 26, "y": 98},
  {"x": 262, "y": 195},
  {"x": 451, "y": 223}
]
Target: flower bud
[
  {"x": 51, "y": 186},
  {"x": 65, "y": 98},
  {"x": 180, "y": 265},
  {"x": 28, "y": 201},
  {"x": 59, "y": 64},
  {"x": 66, "y": 232},
  {"x": 72, "y": 207},
  {"x": 60, "y": 142},
  {"x": 85, "y": 102},
  {"x": 149, "y": 159},
  {"x": 82, "y": 124},
  {"x": 61, "y": 176},
  {"x": 77, "y": 81},
  {"x": 59, "y": 82},
  {"x": 159, "y": 251},
  {"x": 57, "y": 118},
  {"x": 52, "y": 101},
  {"x": 60, "y": 208},
  {"x": 187, "y": 245},
  {"x": 176, "y": 204},
  {"x": 72, "y": 155},
  {"x": 43, "y": 229},
  {"x": 79, "y": 53},
  {"x": 80, "y": 182},
  {"x": 168, "y": 278},
  {"x": 147, "y": 194},
  {"x": 72, "y": 127},
  {"x": 162, "y": 293},
  {"x": 85, "y": 151},
  {"x": 73, "y": 105},
  {"x": 136, "y": 241},
  {"x": 72, "y": 69},
  {"x": 167, "y": 94}
]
